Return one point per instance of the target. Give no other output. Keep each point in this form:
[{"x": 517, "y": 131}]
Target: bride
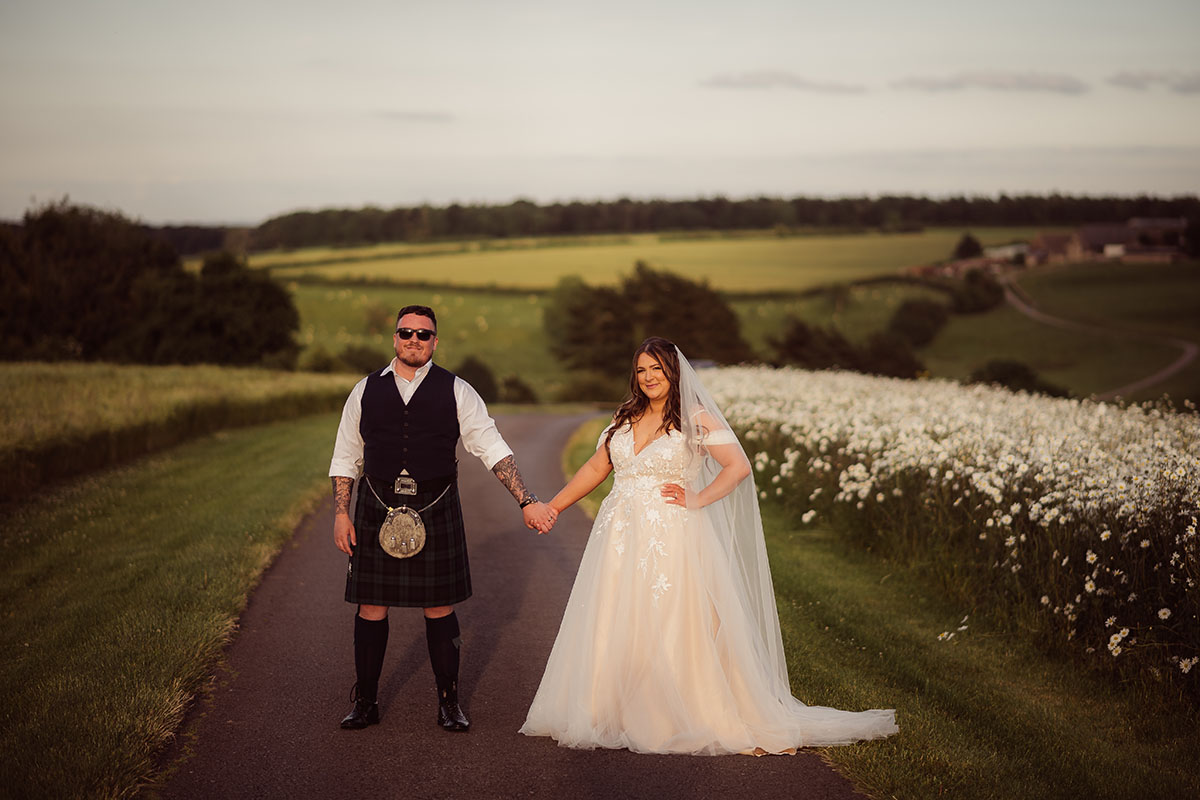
[{"x": 670, "y": 640}]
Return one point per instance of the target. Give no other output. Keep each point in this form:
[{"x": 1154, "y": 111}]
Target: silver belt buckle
[{"x": 405, "y": 484}]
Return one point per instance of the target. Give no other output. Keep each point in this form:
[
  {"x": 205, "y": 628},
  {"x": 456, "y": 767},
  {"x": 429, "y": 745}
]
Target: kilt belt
[{"x": 439, "y": 575}]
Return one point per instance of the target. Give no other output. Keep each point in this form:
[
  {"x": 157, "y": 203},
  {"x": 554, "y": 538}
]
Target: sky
[{"x": 231, "y": 113}]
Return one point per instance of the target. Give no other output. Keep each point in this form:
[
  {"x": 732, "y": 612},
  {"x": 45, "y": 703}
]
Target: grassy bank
[
  {"x": 63, "y": 419},
  {"x": 119, "y": 591},
  {"x": 983, "y": 713}
]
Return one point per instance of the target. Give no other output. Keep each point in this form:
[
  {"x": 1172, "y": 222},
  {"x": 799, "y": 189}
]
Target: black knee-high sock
[
  {"x": 442, "y": 636},
  {"x": 370, "y": 643}
]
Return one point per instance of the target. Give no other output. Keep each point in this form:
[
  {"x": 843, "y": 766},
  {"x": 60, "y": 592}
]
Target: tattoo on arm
[
  {"x": 341, "y": 494},
  {"x": 506, "y": 470}
]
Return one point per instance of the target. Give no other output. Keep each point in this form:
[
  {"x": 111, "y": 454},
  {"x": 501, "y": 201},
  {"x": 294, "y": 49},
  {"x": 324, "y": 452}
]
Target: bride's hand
[{"x": 676, "y": 495}]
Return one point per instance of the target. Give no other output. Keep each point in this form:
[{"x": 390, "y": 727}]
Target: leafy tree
[
  {"x": 79, "y": 283},
  {"x": 588, "y": 328},
  {"x": 692, "y": 315},
  {"x": 968, "y": 247}
]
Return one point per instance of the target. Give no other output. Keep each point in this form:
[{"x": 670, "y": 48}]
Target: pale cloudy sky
[{"x": 236, "y": 111}]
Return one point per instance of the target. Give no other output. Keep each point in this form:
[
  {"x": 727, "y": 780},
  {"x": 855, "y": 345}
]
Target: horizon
[{"x": 172, "y": 116}]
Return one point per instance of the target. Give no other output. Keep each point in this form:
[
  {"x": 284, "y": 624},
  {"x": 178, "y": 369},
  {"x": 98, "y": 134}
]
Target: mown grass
[
  {"x": 748, "y": 262},
  {"x": 120, "y": 590},
  {"x": 985, "y": 714},
  {"x": 579, "y": 448},
  {"x": 63, "y": 419}
]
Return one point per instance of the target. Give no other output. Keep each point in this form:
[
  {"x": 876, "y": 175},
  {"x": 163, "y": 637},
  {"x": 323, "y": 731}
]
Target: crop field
[
  {"x": 62, "y": 419},
  {"x": 743, "y": 263}
]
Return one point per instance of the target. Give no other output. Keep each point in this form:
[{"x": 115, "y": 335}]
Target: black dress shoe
[
  {"x": 450, "y": 714},
  {"x": 364, "y": 713}
]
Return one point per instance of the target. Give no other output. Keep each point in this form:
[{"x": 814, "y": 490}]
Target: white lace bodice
[{"x": 663, "y": 460}]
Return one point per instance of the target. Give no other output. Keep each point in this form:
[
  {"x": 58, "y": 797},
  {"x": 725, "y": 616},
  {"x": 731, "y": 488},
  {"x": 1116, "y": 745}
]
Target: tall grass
[
  {"x": 63, "y": 419},
  {"x": 120, "y": 591}
]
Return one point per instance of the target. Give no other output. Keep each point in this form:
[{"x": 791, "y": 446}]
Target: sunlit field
[
  {"x": 65, "y": 418},
  {"x": 745, "y": 263}
]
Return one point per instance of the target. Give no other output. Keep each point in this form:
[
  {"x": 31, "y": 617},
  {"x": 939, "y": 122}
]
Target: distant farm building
[{"x": 1141, "y": 239}]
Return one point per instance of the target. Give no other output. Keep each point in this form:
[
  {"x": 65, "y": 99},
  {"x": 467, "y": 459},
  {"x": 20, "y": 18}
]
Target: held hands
[
  {"x": 539, "y": 517},
  {"x": 343, "y": 533}
]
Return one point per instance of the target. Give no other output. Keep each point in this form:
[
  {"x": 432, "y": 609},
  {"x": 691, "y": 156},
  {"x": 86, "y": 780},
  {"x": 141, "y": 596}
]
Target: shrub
[
  {"x": 479, "y": 375},
  {"x": 1017, "y": 376},
  {"x": 890, "y": 355},
  {"x": 814, "y": 347},
  {"x": 515, "y": 390},
  {"x": 978, "y": 291},
  {"x": 918, "y": 321},
  {"x": 363, "y": 359},
  {"x": 593, "y": 388}
]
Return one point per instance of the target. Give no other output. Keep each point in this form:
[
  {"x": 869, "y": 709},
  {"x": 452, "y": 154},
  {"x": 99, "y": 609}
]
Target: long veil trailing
[
  {"x": 670, "y": 639},
  {"x": 735, "y": 518}
]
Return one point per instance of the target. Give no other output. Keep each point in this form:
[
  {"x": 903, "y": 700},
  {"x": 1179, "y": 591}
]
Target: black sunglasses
[{"x": 424, "y": 334}]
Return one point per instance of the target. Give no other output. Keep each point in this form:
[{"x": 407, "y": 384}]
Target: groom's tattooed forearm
[
  {"x": 506, "y": 470},
  {"x": 341, "y": 494}
]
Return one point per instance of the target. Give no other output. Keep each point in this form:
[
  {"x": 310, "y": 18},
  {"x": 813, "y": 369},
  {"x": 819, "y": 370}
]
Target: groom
[{"x": 399, "y": 430}]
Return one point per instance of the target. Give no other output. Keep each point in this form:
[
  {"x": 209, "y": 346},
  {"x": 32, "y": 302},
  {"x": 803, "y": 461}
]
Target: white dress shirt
[{"x": 475, "y": 426}]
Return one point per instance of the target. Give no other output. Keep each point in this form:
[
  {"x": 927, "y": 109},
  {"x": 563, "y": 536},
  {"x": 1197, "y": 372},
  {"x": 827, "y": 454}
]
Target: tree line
[{"x": 895, "y": 214}]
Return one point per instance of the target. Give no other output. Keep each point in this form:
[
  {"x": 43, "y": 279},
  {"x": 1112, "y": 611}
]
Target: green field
[
  {"x": 504, "y": 327},
  {"x": 748, "y": 263}
]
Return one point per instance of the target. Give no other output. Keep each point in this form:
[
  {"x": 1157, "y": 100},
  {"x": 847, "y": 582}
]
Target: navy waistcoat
[{"x": 419, "y": 436}]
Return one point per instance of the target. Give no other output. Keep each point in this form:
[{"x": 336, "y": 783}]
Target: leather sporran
[{"x": 403, "y": 533}]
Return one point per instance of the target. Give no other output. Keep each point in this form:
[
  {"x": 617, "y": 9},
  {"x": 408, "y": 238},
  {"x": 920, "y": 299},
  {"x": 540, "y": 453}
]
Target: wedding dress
[{"x": 670, "y": 640}]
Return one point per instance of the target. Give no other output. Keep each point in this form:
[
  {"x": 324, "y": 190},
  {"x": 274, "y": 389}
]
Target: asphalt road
[{"x": 269, "y": 726}]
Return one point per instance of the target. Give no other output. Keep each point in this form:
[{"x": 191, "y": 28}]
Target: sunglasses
[{"x": 424, "y": 334}]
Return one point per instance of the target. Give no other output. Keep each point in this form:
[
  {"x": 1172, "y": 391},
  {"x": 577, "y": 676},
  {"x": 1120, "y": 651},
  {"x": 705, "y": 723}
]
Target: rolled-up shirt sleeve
[
  {"x": 476, "y": 427},
  {"x": 348, "y": 448}
]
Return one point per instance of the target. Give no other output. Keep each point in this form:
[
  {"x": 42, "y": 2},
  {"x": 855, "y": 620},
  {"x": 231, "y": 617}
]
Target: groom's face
[{"x": 412, "y": 351}]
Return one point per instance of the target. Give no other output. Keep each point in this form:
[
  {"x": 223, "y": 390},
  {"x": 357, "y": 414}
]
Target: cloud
[
  {"x": 1141, "y": 80},
  {"x": 998, "y": 81},
  {"x": 778, "y": 79},
  {"x": 416, "y": 116}
]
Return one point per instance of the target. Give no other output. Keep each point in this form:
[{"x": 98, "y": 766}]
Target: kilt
[{"x": 437, "y": 576}]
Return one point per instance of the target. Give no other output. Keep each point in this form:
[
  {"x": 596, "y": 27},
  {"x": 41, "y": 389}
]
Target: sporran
[{"x": 403, "y": 533}]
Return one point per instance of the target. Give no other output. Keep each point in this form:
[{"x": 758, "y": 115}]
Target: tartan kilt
[{"x": 437, "y": 576}]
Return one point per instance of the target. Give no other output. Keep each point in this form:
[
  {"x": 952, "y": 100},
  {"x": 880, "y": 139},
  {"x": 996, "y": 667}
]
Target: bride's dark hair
[{"x": 662, "y": 351}]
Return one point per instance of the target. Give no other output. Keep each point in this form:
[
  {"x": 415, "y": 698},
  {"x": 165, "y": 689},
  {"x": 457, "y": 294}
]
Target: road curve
[
  {"x": 1022, "y": 302},
  {"x": 269, "y": 726}
]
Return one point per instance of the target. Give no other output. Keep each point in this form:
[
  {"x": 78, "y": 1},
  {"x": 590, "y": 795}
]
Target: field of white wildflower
[{"x": 1082, "y": 513}]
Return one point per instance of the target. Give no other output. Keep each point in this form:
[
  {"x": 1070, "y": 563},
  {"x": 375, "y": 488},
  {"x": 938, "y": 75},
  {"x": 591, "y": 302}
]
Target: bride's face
[{"x": 651, "y": 377}]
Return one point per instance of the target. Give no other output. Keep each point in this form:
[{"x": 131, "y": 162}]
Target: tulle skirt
[{"x": 656, "y": 653}]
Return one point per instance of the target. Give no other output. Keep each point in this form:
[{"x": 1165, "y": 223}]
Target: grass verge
[
  {"x": 120, "y": 590},
  {"x": 983, "y": 713}
]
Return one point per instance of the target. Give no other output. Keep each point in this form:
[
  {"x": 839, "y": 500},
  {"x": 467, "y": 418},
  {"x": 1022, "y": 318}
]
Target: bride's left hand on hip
[{"x": 675, "y": 494}]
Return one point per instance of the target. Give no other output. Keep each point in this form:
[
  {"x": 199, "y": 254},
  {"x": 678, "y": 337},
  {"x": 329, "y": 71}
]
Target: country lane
[{"x": 269, "y": 727}]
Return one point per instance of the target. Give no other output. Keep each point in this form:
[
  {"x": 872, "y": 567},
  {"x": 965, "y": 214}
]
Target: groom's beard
[{"x": 413, "y": 358}]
